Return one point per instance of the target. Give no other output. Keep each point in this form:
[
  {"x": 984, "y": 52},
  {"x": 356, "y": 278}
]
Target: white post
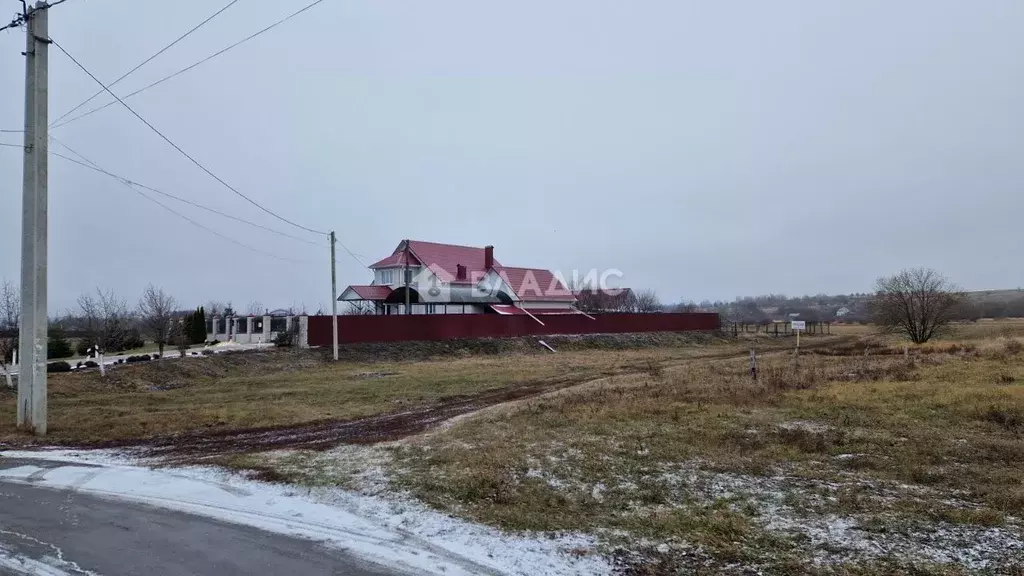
[
  {"x": 303, "y": 331},
  {"x": 334, "y": 299},
  {"x": 32, "y": 375}
]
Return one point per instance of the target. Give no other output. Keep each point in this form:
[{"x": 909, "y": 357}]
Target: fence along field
[{"x": 862, "y": 458}]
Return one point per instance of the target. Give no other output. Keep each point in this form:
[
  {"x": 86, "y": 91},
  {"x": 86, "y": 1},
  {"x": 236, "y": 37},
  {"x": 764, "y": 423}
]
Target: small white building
[{"x": 448, "y": 279}]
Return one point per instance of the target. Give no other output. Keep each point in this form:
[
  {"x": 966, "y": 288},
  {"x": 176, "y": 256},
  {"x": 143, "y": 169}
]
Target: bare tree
[
  {"x": 178, "y": 336},
  {"x": 644, "y": 301},
  {"x": 10, "y": 316},
  {"x": 360, "y": 308},
  {"x": 255, "y": 309},
  {"x": 214, "y": 308},
  {"x": 918, "y": 302},
  {"x": 108, "y": 322},
  {"x": 156, "y": 311},
  {"x": 685, "y": 306}
]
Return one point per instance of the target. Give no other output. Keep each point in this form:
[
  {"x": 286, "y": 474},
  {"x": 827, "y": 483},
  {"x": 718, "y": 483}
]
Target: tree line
[{"x": 103, "y": 321}]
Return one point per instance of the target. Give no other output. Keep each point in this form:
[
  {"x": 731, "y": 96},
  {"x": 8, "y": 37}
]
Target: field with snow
[
  {"x": 853, "y": 459},
  {"x": 859, "y": 456}
]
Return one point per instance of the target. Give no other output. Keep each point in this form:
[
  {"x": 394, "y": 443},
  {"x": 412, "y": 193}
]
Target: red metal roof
[
  {"x": 535, "y": 284},
  {"x": 447, "y": 257},
  {"x": 529, "y": 284},
  {"x": 396, "y": 259},
  {"x": 370, "y": 292},
  {"x": 513, "y": 310},
  {"x": 508, "y": 310}
]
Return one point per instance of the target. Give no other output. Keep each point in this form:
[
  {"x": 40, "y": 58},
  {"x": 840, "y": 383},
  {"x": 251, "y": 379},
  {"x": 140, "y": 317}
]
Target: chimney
[{"x": 488, "y": 257}]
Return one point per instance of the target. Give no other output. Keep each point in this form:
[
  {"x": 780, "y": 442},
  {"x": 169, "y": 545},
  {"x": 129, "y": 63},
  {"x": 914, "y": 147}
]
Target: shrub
[
  {"x": 58, "y": 367},
  {"x": 91, "y": 364},
  {"x": 156, "y": 356},
  {"x": 283, "y": 339},
  {"x": 133, "y": 341},
  {"x": 213, "y": 342},
  {"x": 1009, "y": 417},
  {"x": 83, "y": 346},
  {"x": 57, "y": 346},
  {"x": 139, "y": 358},
  {"x": 1013, "y": 346}
]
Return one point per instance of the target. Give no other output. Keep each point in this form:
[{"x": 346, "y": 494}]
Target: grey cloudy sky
[{"x": 707, "y": 149}]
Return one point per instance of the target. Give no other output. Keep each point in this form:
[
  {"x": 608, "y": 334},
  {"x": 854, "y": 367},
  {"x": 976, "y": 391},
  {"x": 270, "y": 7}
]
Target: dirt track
[
  {"x": 381, "y": 428},
  {"x": 325, "y": 435}
]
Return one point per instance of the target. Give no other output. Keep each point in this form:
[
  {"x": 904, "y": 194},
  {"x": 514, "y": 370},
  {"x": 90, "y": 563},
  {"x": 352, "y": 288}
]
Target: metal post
[
  {"x": 334, "y": 298},
  {"x": 32, "y": 343},
  {"x": 405, "y": 277}
]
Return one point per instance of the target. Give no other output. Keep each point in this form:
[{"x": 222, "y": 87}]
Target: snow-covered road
[{"x": 374, "y": 536}]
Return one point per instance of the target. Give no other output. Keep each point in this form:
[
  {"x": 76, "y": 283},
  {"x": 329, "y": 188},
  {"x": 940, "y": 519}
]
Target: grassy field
[
  {"x": 856, "y": 460},
  {"x": 860, "y": 456},
  {"x": 273, "y": 388},
  {"x": 986, "y": 328}
]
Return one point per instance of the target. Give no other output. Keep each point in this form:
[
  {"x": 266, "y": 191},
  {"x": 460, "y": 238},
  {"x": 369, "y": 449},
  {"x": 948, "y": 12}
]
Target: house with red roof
[{"x": 432, "y": 278}]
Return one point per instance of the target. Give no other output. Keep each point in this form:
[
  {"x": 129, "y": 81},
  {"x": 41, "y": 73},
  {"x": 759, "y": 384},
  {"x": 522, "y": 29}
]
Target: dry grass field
[
  {"x": 856, "y": 459},
  {"x": 859, "y": 456},
  {"x": 281, "y": 388}
]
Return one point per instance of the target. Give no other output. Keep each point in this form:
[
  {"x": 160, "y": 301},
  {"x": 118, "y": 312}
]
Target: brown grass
[
  {"x": 944, "y": 418},
  {"x": 264, "y": 389}
]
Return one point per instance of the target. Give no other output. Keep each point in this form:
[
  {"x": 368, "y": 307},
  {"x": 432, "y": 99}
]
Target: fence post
[
  {"x": 303, "y": 331},
  {"x": 753, "y": 365}
]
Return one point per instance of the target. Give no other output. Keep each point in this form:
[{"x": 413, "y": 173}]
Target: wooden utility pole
[{"x": 32, "y": 336}]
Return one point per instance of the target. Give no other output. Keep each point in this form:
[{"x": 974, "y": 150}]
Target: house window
[{"x": 387, "y": 277}]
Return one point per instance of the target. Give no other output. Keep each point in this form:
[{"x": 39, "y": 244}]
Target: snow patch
[{"x": 390, "y": 530}]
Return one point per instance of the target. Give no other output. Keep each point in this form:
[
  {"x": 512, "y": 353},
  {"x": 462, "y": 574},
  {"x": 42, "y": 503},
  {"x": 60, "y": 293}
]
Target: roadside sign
[{"x": 798, "y": 325}]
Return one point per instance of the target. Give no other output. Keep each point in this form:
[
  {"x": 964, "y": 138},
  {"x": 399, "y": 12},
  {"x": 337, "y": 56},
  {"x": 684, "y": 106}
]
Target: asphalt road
[{"x": 82, "y": 534}]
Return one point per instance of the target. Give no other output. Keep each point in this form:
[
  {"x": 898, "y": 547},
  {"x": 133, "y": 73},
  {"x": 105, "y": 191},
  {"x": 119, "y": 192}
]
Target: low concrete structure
[{"x": 248, "y": 329}]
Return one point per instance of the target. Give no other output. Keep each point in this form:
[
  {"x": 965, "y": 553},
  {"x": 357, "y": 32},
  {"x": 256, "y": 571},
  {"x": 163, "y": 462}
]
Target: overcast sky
[{"x": 707, "y": 149}]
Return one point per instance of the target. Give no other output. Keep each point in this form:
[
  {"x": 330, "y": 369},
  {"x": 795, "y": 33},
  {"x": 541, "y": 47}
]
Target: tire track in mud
[
  {"x": 380, "y": 428},
  {"x": 326, "y": 435}
]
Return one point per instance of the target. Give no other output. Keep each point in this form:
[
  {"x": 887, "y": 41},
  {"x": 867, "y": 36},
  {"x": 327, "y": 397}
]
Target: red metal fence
[{"x": 449, "y": 326}]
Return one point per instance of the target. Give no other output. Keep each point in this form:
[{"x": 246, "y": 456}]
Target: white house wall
[
  {"x": 492, "y": 280},
  {"x": 421, "y": 309},
  {"x": 555, "y": 305}
]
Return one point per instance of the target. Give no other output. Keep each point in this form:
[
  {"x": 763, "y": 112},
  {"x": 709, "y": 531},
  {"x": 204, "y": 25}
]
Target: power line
[
  {"x": 187, "y": 68},
  {"x": 99, "y": 169},
  {"x": 179, "y": 149},
  {"x": 12, "y": 145},
  {"x": 93, "y": 166},
  {"x": 182, "y": 216},
  {"x": 148, "y": 60},
  {"x": 20, "y": 18}
]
